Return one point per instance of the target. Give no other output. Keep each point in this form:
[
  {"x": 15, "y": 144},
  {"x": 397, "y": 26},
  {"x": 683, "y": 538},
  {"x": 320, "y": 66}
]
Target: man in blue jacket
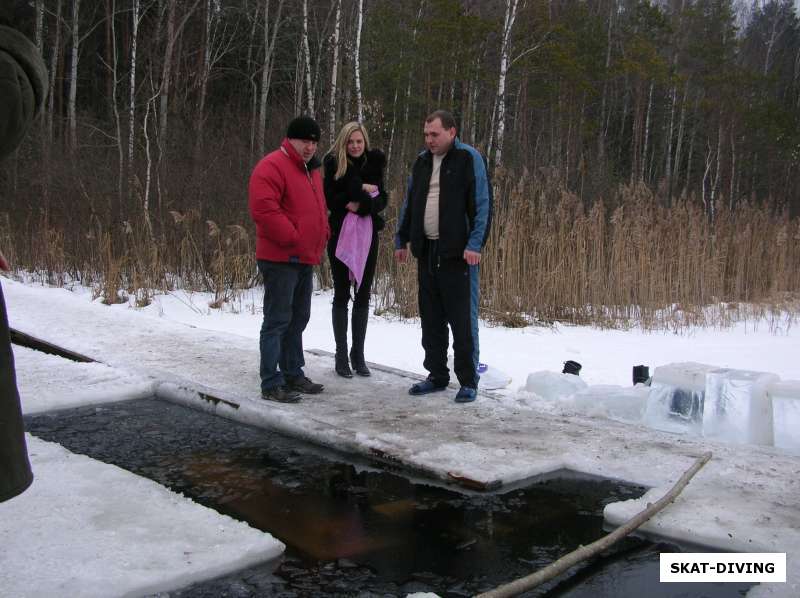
[
  {"x": 445, "y": 221},
  {"x": 23, "y": 81}
]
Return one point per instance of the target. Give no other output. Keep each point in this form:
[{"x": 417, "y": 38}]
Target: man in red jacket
[{"x": 288, "y": 206}]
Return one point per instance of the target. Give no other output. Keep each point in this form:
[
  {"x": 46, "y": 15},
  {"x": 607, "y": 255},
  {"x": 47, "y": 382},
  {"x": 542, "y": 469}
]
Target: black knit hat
[{"x": 303, "y": 127}]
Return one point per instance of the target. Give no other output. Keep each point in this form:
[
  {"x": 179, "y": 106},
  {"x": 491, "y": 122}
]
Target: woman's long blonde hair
[{"x": 339, "y": 148}]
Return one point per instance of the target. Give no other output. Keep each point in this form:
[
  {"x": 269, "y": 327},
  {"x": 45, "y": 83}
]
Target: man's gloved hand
[{"x": 23, "y": 85}]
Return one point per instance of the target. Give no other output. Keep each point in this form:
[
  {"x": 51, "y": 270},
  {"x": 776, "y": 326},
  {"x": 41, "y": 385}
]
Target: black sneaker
[
  {"x": 425, "y": 387},
  {"x": 280, "y": 394},
  {"x": 304, "y": 385}
]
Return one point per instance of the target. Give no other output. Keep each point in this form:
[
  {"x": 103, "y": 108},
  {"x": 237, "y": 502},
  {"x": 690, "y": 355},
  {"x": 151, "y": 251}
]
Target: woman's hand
[
  {"x": 369, "y": 189},
  {"x": 352, "y": 206}
]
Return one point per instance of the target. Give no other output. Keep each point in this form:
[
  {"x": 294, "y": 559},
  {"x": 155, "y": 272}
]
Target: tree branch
[{"x": 584, "y": 552}]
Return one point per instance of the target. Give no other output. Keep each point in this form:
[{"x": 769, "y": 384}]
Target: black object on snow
[
  {"x": 572, "y": 367},
  {"x": 641, "y": 374}
]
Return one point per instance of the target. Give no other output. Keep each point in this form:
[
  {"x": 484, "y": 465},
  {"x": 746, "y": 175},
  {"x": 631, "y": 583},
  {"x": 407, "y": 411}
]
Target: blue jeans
[{"x": 287, "y": 308}]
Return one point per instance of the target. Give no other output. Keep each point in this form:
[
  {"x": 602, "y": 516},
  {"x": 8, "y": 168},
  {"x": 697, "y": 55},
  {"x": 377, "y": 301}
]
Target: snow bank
[{"x": 86, "y": 528}]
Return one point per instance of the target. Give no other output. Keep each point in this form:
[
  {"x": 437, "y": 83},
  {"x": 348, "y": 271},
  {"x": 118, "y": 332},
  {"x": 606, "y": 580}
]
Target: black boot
[
  {"x": 339, "y": 318},
  {"x": 360, "y": 319}
]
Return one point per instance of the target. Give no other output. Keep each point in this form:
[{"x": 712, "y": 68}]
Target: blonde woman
[{"x": 355, "y": 194}]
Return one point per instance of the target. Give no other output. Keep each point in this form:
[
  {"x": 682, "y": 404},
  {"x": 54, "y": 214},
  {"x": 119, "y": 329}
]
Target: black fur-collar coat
[{"x": 369, "y": 168}]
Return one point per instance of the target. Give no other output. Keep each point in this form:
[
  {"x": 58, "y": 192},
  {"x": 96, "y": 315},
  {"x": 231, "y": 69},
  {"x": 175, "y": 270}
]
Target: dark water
[{"x": 357, "y": 529}]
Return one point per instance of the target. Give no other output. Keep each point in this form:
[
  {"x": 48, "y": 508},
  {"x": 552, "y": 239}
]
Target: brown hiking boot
[{"x": 304, "y": 385}]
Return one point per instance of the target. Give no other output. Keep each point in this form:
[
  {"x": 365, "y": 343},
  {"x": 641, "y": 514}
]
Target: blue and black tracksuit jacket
[{"x": 448, "y": 287}]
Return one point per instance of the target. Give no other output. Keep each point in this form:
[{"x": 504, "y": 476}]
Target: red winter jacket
[{"x": 288, "y": 206}]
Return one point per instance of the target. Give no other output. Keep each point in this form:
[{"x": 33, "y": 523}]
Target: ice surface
[
  {"x": 724, "y": 404},
  {"x": 552, "y": 385},
  {"x": 89, "y": 529},
  {"x": 785, "y": 397},
  {"x": 617, "y": 402},
  {"x": 70, "y": 384},
  {"x": 688, "y": 375},
  {"x": 737, "y": 408},
  {"x": 675, "y": 401}
]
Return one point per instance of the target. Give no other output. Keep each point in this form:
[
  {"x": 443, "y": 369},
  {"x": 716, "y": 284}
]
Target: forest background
[{"x": 645, "y": 154}]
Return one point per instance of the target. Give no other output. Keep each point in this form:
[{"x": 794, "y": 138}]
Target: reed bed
[{"x": 624, "y": 260}]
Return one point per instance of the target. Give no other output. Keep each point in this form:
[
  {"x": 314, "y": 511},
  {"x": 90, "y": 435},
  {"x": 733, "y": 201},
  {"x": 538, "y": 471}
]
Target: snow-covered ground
[
  {"x": 86, "y": 528},
  {"x": 745, "y": 499},
  {"x": 607, "y": 356}
]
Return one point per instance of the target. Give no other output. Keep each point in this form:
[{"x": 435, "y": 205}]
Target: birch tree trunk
[
  {"x": 357, "y": 58},
  {"x": 334, "y": 73},
  {"x": 148, "y": 168},
  {"x": 132, "y": 88},
  {"x": 500, "y": 101},
  {"x": 774, "y": 34},
  {"x": 307, "y": 60},
  {"x": 73, "y": 77}
]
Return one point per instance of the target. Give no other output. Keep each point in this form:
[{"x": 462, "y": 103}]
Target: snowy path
[{"x": 745, "y": 499}]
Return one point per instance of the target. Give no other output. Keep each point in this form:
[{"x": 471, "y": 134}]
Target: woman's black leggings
[{"x": 341, "y": 276}]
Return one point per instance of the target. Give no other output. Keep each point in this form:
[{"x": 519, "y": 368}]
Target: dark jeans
[
  {"x": 341, "y": 276},
  {"x": 15, "y": 470},
  {"x": 446, "y": 298},
  {"x": 287, "y": 308}
]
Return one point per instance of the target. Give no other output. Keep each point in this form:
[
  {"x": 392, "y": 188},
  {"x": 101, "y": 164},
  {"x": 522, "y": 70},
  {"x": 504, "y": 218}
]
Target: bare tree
[
  {"x": 266, "y": 69},
  {"x": 500, "y": 99},
  {"x": 135, "y": 17},
  {"x": 218, "y": 41},
  {"x": 307, "y": 60},
  {"x": 114, "y": 79},
  {"x": 54, "y": 58},
  {"x": 357, "y": 59},
  {"x": 334, "y": 73},
  {"x": 173, "y": 33},
  {"x": 73, "y": 76},
  {"x": 778, "y": 27},
  {"x": 148, "y": 164}
]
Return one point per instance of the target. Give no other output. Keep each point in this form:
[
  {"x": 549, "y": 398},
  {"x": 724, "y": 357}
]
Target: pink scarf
[{"x": 355, "y": 239}]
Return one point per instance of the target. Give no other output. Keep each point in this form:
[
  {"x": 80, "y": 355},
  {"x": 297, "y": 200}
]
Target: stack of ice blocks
[
  {"x": 675, "y": 402},
  {"x": 739, "y": 406},
  {"x": 785, "y": 397}
]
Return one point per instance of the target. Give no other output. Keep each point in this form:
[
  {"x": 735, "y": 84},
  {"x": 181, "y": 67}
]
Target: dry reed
[{"x": 626, "y": 260}]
